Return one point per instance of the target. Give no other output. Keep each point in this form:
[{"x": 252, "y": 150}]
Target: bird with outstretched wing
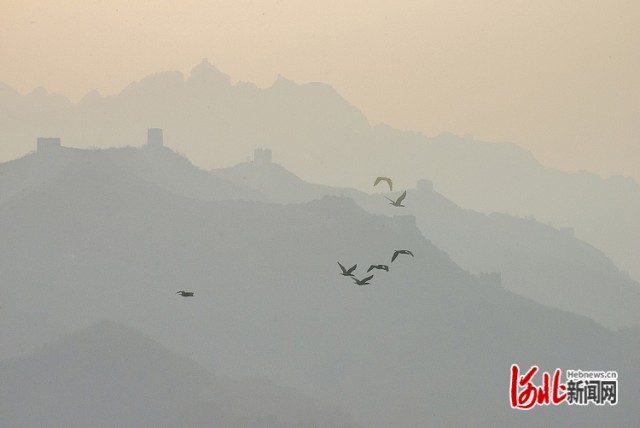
[
  {"x": 387, "y": 179},
  {"x": 345, "y": 271},
  {"x": 398, "y": 252},
  {"x": 363, "y": 281},
  {"x": 398, "y": 202},
  {"x": 185, "y": 293}
]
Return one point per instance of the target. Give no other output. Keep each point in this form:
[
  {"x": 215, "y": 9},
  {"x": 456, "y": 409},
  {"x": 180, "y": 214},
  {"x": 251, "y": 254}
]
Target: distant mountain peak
[
  {"x": 37, "y": 92},
  {"x": 91, "y": 97},
  {"x": 6, "y": 90},
  {"x": 283, "y": 82},
  {"x": 207, "y": 73},
  {"x": 40, "y": 96}
]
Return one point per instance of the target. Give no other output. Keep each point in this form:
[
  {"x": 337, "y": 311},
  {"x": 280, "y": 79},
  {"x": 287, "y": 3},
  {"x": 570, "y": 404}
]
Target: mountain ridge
[
  {"x": 269, "y": 298},
  {"x": 535, "y": 260},
  {"x": 323, "y": 138}
]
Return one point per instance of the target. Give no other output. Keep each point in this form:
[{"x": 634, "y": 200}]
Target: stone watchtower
[
  {"x": 154, "y": 137},
  {"x": 424, "y": 185},
  {"x": 48, "y": 144},
  {"x": 262, "y": 156}
]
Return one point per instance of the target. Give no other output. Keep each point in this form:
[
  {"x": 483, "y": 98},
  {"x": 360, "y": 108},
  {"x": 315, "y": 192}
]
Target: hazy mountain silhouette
[
  {"x": 109, "y": 375},
  {"x": 324, "y": 139},
  {"x": 279, "y": 184},
  {"x": 426, "y": 343},
  {"x": 535, "y": 260},
  {"x": 158, "y": 165}
]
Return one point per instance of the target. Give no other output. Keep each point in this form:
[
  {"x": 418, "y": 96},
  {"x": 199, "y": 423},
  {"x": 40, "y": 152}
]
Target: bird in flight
[
  {"x": 387, "y": 179},
  {"x": 398, "y": 202},
  {"x": 347, "y": 272},
  {"x": 363, "y": 281},
  {"x": 383, "y": 267},
  {"x": 397, "y": 252},
  {"x": 185, "y": 293}
]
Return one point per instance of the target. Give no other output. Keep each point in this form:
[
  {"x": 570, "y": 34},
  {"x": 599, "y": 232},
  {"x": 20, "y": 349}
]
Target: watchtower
[
  {"x": 48, "y": 144},
  {"x": 424, "y": 185},
  {"x": 154, "y": 137},
  {"x": 262, "y": 156}
]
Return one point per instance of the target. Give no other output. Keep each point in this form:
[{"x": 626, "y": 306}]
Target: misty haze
[{"x": 194, "y": 252}]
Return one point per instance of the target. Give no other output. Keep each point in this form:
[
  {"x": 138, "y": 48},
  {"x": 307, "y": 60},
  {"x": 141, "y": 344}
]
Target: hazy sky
[{"x": 561, "y": 78}]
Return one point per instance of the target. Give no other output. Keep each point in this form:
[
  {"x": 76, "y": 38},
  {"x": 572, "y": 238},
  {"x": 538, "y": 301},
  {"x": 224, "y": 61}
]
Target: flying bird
[
  {"x": 185, "y": 293},
  {"x": 398, "y": 202},
  {"x": 397, "y": 252},
  {"x": 387, "y": 179},
  {"x": 347, "y": 272},
  {"x": 383, "y": 267},
  {"x": 363, "y": 281}
]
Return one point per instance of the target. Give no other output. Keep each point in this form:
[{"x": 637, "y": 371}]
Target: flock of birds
[
  {"x": 349, "y": 272},
  {"x": 365, "y": 281}
]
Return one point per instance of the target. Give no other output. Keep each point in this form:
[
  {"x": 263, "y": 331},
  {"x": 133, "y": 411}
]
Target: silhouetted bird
[
  {"x": 387, "y": 179},
  {"x": 185, "y": 293},
  {"x": 395, "y": 254},
  {"x": 347, "y": 272},
  {"x": 383, "y": 267},
  {"x": 363, "y": 281},
  {"x": 398, "y": 202}
]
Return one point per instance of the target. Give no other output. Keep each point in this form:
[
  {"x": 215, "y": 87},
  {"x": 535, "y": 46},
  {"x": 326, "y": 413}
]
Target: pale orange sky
[{"x": 560, "y": 78}]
